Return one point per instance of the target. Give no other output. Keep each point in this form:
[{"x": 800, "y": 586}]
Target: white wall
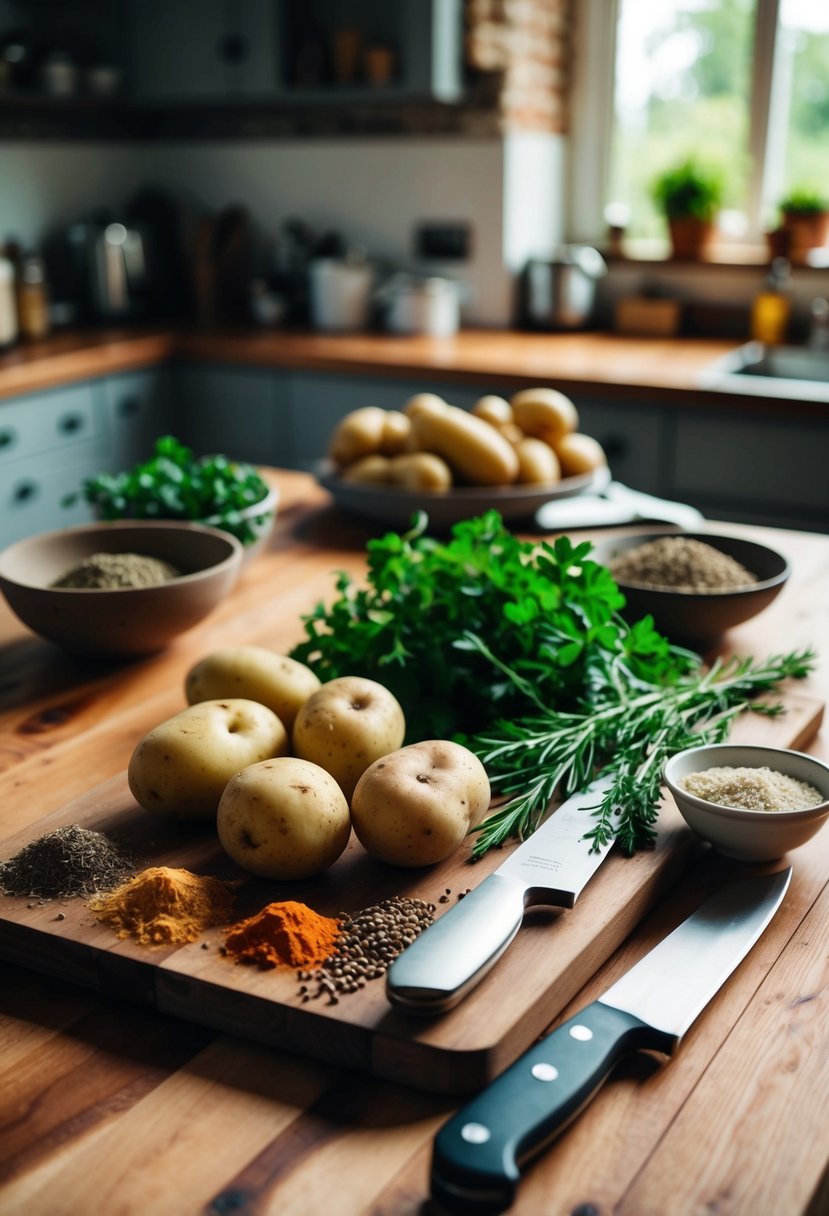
[
  {"x": 373, "y": 190},
  {"x": 44, "y": 184}
]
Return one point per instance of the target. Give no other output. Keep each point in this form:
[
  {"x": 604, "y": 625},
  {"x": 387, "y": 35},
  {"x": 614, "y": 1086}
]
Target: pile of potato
[
  {"x": 532, "y": 439},
  {"x": 286, "y": 766}
]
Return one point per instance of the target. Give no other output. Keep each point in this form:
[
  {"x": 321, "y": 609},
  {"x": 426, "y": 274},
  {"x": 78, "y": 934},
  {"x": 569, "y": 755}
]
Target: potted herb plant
[
  {"x": 174, "y": 483},
  {"x": 689, "y": 194},
  {"x": 804, "y": 223}
]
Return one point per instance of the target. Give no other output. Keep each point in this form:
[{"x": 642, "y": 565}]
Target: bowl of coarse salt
[
  {"x": 695, "y": 585},
  {"x": 752, "y": 803}
]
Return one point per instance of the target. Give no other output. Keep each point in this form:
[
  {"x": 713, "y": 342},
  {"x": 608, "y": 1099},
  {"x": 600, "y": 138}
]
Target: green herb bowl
[
  {"x": 743, "y": 834},
  {"x": 699, "y": 618},
  {"x": 128, "y": 621}
]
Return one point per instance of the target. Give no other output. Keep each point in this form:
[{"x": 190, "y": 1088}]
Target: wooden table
[{"x": 108, "y": 1107}]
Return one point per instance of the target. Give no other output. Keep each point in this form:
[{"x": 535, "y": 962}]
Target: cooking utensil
[
  {"x": 551, "y": 867},
  {"x": 559, "y": 292},
  {"x": 477, "y": 1154},
  {"x": 615, "y": 504}
]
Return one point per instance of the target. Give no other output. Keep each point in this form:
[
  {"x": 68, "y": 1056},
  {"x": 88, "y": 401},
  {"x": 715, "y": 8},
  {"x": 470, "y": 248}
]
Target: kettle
[
  {"x": 559, "y": 292},
  {"x": 112, "y": 269}
]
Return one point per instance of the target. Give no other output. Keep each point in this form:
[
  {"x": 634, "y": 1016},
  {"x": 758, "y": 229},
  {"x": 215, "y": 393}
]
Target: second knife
[{"x": 552, "y": 867}]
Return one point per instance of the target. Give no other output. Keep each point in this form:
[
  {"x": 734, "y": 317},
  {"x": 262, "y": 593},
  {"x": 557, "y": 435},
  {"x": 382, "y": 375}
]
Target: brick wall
[{"x": 524, "y": 45}]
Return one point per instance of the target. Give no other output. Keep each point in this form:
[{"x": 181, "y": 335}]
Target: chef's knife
[
  {"x": 453, "y": 954},
  {"x": 477, "y": 1154}
]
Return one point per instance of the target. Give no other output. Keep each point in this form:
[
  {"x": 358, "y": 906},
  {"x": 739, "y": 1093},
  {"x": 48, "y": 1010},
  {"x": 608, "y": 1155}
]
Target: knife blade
[
  {"x": 478, "y": 1154},
  {"x": 552, "y": 866}
]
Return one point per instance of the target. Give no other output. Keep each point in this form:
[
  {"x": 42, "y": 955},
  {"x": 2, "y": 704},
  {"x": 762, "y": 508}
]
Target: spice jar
[
  {"x": 32, "y": 298},
  {"x": 8, "y": 304}
]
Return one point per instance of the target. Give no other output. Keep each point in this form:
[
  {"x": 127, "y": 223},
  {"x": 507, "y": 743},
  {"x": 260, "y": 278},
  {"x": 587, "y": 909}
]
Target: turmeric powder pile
[
  {"x": 162, "y": 906},
  {"x": 284, "y": 933}
]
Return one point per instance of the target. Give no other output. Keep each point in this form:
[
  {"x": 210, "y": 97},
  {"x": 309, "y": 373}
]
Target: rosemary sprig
[{"x": 624, "y": 731}]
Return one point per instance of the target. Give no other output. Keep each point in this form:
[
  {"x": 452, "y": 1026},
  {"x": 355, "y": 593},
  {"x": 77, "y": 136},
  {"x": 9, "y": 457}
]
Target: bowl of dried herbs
[
  {"x": 695, "y": 585},
  {"x": 120, "y": 588}
]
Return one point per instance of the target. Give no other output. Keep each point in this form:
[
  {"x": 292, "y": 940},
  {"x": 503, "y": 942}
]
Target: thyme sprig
[{"x": 625, "y": 732}]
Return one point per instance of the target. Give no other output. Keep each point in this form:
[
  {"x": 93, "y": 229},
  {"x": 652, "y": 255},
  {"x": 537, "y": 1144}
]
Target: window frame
[{"x": 594, "y": 34}]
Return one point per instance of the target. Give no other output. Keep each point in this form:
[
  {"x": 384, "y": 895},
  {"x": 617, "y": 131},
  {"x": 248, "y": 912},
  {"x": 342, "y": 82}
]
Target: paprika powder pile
[
  {"x": 163, "y": 906},
  {"x": 286, "y": 933}
]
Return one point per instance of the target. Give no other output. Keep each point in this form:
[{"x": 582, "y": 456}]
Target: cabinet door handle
[
  {"x": 25, "y": 491},
  {"x": 7, "y": 439},
  {"x": 70, "y": 424},
  {"x": 129, "y": 407},
  {"x": 615, "y": 446},
  {"x": 233, "y": 48}
]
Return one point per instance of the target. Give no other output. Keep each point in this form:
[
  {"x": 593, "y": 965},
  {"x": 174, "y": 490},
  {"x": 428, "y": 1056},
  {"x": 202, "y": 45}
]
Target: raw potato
[
  {"x": 537, "y": 463},
  {"x": 494, "y": 410},
  {"x": 283, "y": 819},
  {"x": 370, "y": 470},
  {"x": 346, "y": 725},
  {"x": 396, "y": 433},
  {"x": 420, "y": 471},
  {"x": 275, "y": 680},
  {"x": 182, "y": 766},
  {"x": 415, "y": 806},
  {"x": 579, "y": 454},
  {"x": 470, "y": 446},
  {"x": 357, "y": 434},
  {"x": 544, "y": 413},
  {"x": 421, "y": 402}
]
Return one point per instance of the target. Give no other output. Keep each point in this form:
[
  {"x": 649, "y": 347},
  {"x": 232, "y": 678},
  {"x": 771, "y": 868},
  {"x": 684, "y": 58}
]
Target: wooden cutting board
[{"x": 554, "y": 954}]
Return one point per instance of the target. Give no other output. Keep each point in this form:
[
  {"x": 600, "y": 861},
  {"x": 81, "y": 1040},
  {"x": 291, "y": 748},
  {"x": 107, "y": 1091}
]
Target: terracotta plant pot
[
  {"x": 690, "y": 237},
  {"x": 805, "y": 232}
]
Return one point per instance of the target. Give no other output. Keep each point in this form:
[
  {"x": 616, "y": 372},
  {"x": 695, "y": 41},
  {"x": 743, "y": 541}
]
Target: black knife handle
[{"x": 477, "y": 1154}]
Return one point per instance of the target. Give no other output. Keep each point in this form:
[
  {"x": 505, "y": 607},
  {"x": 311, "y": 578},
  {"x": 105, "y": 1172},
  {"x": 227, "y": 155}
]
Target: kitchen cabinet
[
  {"x": 242, "y": 412},
  {"x": 136, "y": 405},
  {"x": 212, "y": 50},
  {"x": 337, "y": 52},
  {"x": 774, "y": 468},
  {"x": 320, "y": 51},
  {"x": 50, "y": 442}
]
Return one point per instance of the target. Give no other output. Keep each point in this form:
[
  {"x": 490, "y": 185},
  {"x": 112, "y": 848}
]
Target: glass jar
[
  {"x": 32, "y": 298},
  {"x": 8, "y": 304}
]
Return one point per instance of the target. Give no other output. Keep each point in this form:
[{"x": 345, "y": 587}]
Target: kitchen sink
[{"x": 800, "y": 372}]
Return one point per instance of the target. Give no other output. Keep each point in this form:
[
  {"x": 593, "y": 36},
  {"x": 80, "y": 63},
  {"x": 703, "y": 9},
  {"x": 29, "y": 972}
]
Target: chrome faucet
[{"x": 819, "y": 327}]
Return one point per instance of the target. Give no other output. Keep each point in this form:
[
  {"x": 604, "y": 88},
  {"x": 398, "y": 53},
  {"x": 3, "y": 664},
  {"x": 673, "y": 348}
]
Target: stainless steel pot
[
  {"x": 421, "y": 305},
  {"x": 559, "y": 292}
]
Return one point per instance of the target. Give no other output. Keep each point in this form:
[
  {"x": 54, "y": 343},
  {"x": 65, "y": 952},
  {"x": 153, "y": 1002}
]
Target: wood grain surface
[
  {"x": 110, "y": 1105},
  {"x": 554, "y": 954}
]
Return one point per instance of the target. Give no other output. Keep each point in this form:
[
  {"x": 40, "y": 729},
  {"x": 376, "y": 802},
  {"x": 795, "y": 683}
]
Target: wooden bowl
[
  {"x": 700, "y": 617},
  {"x": 126, "y": 621}
]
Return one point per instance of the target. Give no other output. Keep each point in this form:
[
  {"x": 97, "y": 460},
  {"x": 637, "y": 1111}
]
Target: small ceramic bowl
[
  {"x": 743, "y": 834},
  {"x": 126, "y": 621},
  {"x": 699, "y": 618}
]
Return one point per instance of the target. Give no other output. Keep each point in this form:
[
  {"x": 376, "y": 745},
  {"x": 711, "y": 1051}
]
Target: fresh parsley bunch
[
  {"x": 480, "y": 626},
  {"x": 175, "y": 484},
  {"x": 519, "y": 649}
]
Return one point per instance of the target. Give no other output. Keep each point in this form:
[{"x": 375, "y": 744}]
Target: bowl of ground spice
[
  {"x": 752, "y": 803},
  {"x": 119, "y": 588},
  {"x": 694, "y": 585}
]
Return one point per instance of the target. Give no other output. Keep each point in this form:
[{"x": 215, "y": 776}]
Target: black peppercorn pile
[{"x": 369, "y": 942}]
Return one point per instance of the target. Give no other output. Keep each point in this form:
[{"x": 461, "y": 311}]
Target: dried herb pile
[{"x": 69, "y": 861}]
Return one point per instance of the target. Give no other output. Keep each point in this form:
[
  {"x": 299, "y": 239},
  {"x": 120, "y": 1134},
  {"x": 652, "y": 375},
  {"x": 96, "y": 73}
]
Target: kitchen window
[{"x": 740, "y": 83}]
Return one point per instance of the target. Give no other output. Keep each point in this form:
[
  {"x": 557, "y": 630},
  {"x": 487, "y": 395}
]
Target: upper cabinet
[
  {"x": 279, "y": 51},
  {"x": 210, "y": 50}
]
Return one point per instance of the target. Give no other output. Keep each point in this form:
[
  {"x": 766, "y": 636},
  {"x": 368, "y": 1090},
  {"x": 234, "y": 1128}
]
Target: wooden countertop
[
  {"x": 643, "y": 369},
  {"x": 111, "y": 1107}
]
